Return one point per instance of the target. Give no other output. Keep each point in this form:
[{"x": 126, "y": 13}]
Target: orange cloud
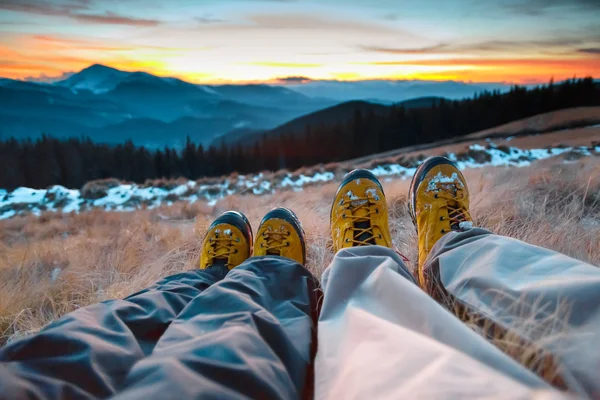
[
  {"x": 7, "y": 53},
  {"x": 53, "y": 42},
  {"x": 498, "y": 70},
  {"x": 499, "y": 62},
  {"x": 20, "y": 68},
  {"x": 38, "y": 58},
  {"x": 50, "y": 56}
]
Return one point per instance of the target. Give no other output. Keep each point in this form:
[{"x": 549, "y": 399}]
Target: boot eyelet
[
  {"x": 235, "y": 251},
  {"x": 441, "y": 218},
  {"x": 237, "y": 240},
  {"x": 287, "y": 244},
  {"x": 443, "y": 231},
  {"x": 377, "y": 211},
  {"x": 347, "y": 240},
  {"x": 344, "y": 216},
  {"x": 436, "y": 196},
  {"x": 380, "y": 237}
]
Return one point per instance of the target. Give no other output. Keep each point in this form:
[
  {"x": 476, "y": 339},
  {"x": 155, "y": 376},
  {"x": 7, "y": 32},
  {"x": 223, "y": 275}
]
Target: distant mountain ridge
[
  {"x": 393, "y": 91},
  {"x": 112, "y": 106},
  {"x": 339, "y": 113}
]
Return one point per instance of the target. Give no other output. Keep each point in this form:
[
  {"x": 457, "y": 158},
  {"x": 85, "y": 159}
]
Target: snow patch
[
  {"x": 466, "y": 225},
  {"x": 477, "y": 147},
  {"x": 304, "y": 180},
  {"x": 8, "y": 214},
  {"x": 55, "y": 274},
  {"x": 393, "y": 170},
  {"x": 24, "y": 195},
  {"x": 373, "y": 193},
  {"x": 441, "y": 178},
  {"x": 130, "y": 197},
  {"x": 208, "y": 90},
  {"x": 352, "y": 196}
]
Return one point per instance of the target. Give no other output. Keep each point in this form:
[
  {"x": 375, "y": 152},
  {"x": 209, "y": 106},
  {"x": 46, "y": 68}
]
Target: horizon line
[{"x": 281, "y": 81}]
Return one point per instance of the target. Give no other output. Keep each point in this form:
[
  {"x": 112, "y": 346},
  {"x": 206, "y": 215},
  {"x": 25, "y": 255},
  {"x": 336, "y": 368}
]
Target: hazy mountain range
[
  {"x": 111, "y": 106},
  {"x": 388, "y": 92}
]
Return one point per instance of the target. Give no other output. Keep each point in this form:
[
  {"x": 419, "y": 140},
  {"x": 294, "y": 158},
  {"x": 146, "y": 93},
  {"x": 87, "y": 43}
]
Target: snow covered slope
[
  {"x": 96, "y": 78},
  {"x": 129, "y": 197}
]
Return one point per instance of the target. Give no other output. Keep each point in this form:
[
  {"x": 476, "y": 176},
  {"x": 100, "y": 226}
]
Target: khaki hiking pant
[{"x": 381, "y": 337}]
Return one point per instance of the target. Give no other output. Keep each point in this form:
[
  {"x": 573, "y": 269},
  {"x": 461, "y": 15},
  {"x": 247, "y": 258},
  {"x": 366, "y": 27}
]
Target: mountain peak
[
  {"x": 99, "y": 68},
  {"x": 97, "y": 78}
]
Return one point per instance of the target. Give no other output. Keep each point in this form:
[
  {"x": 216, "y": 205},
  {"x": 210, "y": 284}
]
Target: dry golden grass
[
  {"x": 57, "y": 263},
  {"x": 542, "y": 122}
]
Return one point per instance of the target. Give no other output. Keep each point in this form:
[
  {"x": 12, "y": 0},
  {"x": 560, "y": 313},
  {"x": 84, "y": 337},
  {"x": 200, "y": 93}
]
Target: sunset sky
[{"x": 210, "y": 41}]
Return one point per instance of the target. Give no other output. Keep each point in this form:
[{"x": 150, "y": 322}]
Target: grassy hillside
[
  {"x": 55, "y": 263},
  {"x": 546, "y": 122}
]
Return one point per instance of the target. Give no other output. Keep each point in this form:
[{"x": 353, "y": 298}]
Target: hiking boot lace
[
  {"x": 362, "y": 228},
  {"x": 454, "y": 204},
  {"x": 221, "y": 247},
  {"x": 275, "y": 241}
]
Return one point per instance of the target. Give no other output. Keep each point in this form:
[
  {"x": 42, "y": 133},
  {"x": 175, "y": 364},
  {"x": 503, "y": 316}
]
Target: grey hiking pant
[
  {"x": 211, "y": 334},
  {"x": 381, "y": 337}
]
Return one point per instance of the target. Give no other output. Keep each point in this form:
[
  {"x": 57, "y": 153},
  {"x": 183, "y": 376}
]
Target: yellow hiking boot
[
  {"x": 438, "y": 203},
  {"x": 228, "y": 241},
  {"x": 359, "y": 214},
  {"x": 280, "y": 234}
]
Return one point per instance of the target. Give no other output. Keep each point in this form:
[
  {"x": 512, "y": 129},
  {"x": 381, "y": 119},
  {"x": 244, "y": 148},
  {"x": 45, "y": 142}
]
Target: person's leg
[
  {"x": 252, "y": 335},
  {"x": 381, "y": 336},
  {"x": 543, "y": 297},
  {"x": 263, "y": 318},
  {"x": 88, "y": 353},
  {"x": 540, "y": 306}
]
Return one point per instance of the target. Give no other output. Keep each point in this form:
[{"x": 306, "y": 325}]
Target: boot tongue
[
  {"x": 276, "y": 235},
  {"x": 362, "y": 212},
  {"x": 219, "y": 261}
]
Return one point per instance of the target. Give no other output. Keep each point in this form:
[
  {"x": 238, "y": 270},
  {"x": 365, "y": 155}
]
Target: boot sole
[
  {"x": 418, "y": 177},
  {"x": 238, "y": 220},
  {"x": 353, "y": 175},
  {"x": 289, "y": 216}
]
